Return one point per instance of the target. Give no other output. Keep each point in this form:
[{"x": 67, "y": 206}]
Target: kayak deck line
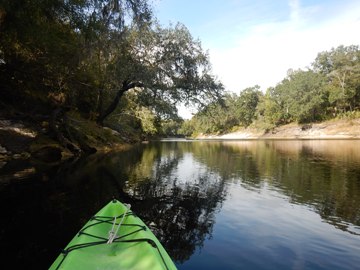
[
  {"x": 113, "y": 232},
  {"x": 98, "y": 218},
  {"x": 65, "y": 252},
  {"x": 115, "y": 237}
]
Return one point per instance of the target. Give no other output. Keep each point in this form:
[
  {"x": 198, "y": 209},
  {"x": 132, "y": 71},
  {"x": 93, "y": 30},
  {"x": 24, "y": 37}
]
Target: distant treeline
[
  {"x": 331, "y": 88},
  {"x": 110, "y": 61}
]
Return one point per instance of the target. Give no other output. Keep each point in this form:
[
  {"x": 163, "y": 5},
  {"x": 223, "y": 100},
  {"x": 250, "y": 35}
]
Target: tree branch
[{"x": 125, "y": 87}]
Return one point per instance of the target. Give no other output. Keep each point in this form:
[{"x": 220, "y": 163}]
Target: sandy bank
[{"x": 334, "y": 129}]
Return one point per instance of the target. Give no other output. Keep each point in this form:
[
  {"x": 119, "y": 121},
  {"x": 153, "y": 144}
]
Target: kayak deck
[{"x": 133, "y": 246}]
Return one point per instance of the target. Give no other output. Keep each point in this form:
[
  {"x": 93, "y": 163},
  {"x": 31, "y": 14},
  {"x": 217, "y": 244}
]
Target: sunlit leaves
[
  {"x": 342, "y": 68},
  {"x": 246, "y": 105},
  {"x": 332, "y": 87}
]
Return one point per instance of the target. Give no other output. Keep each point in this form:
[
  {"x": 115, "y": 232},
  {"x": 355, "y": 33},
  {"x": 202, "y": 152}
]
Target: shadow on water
[
  {"x": 177, "y": 188},
  {"x": 43, "y": 210}
]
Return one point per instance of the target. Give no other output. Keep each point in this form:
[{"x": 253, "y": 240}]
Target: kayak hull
[{"x": 134, "y": 246}]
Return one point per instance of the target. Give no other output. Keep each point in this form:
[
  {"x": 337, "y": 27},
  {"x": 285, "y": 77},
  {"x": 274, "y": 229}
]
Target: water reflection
[
  {"x": 177, "y": 188},
  {"x": 322, "y": 174},
  {"x": 181, "y": 197}
]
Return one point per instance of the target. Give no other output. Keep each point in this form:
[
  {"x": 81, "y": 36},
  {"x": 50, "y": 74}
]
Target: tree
[
  {"x": 107, "y": 30},
  {"x": 246, "y": 105},
  {"x": 299, "y": 97},
  {"x": 270, "y": 108},
  {"x": 216, "y": 117},
  {"x": 39, "y": 49},
  {"x": 342, "y": 68},
  {"x": 170, "y": 67},
  {"x": 42, "y": 44},
  {"x": 306, "y": 96},
  {"x": 187, "y": 128},
  {"x": 172, "y": 128},
  {"x": 58, "y": 55}
]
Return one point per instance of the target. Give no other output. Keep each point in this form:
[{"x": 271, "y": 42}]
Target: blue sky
[{"x": 256, "y": 41}]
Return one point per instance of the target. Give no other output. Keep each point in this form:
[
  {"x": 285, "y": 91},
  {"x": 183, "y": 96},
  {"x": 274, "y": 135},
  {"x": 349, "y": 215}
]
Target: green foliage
[
  {"x": 331, "y": 88},
  {"x": 215, "y": 118},
  {"x": 246, "y": 105},
  {"x": 342, "y": 68},
  {"x": 39, "y": 50},
  {"x": 91, "y": 56},
  {"x": 305, "y": 95},
  {"x": 173, "y": 68},
  {"x": 148, "y": 121},
  {"x": 270, "y": 109},
  {"x": 172, "y": 128},
  {"x": 84, "y": 55},
  {"x": 222, "y": 117},
  {"x": 187, "y": 128},
  {"x": 349, "y": 115}
]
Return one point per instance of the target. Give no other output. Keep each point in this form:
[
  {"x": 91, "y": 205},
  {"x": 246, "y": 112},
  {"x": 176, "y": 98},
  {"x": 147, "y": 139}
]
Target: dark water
[{"x": 213, "y": 205}]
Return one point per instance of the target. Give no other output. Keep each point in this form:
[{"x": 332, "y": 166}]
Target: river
[{"x": 269, "y": 204}]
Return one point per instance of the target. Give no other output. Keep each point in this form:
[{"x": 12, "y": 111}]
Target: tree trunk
[
  {"x": 100, "y": 101},
  {"x": 125, "y": 87},
  {"x": 58, "y": 117}
]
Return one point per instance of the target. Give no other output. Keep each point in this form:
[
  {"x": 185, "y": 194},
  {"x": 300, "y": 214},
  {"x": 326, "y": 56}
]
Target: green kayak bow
[{"x": 114, "y": 239}]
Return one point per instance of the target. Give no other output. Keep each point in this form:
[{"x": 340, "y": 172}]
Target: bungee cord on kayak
[
  {"x": 113, "y": 234},
  {"x": 114, "y": 237}
]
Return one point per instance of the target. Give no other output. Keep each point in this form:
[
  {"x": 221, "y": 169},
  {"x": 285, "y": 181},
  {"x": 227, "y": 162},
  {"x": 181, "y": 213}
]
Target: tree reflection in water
[
  {"x": 184, "y": 184},
  {"x": 179, "y": 208},
  {"x": 177, "y": 188},
  {"x": 324, "y": 175}
]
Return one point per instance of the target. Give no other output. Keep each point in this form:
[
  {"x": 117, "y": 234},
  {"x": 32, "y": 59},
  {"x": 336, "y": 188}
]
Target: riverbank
[
  {"x": 23, "y": 139},
  {"x": 333, "y": 129}
]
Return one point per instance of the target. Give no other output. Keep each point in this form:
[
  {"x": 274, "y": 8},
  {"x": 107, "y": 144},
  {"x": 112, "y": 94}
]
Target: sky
[{"x": 255, "y": 42}]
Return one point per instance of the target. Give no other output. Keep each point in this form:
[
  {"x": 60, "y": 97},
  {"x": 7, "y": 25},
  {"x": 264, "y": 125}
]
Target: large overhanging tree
[
  {"x": 167, "y": 64},
  {"x": 52, "y": 43},
  {"x": 54, "y": 53},
  {"x": 57, "y": 55}
]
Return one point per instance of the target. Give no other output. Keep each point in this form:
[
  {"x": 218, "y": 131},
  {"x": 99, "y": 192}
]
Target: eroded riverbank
[{"x": 334, "y": 129}]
